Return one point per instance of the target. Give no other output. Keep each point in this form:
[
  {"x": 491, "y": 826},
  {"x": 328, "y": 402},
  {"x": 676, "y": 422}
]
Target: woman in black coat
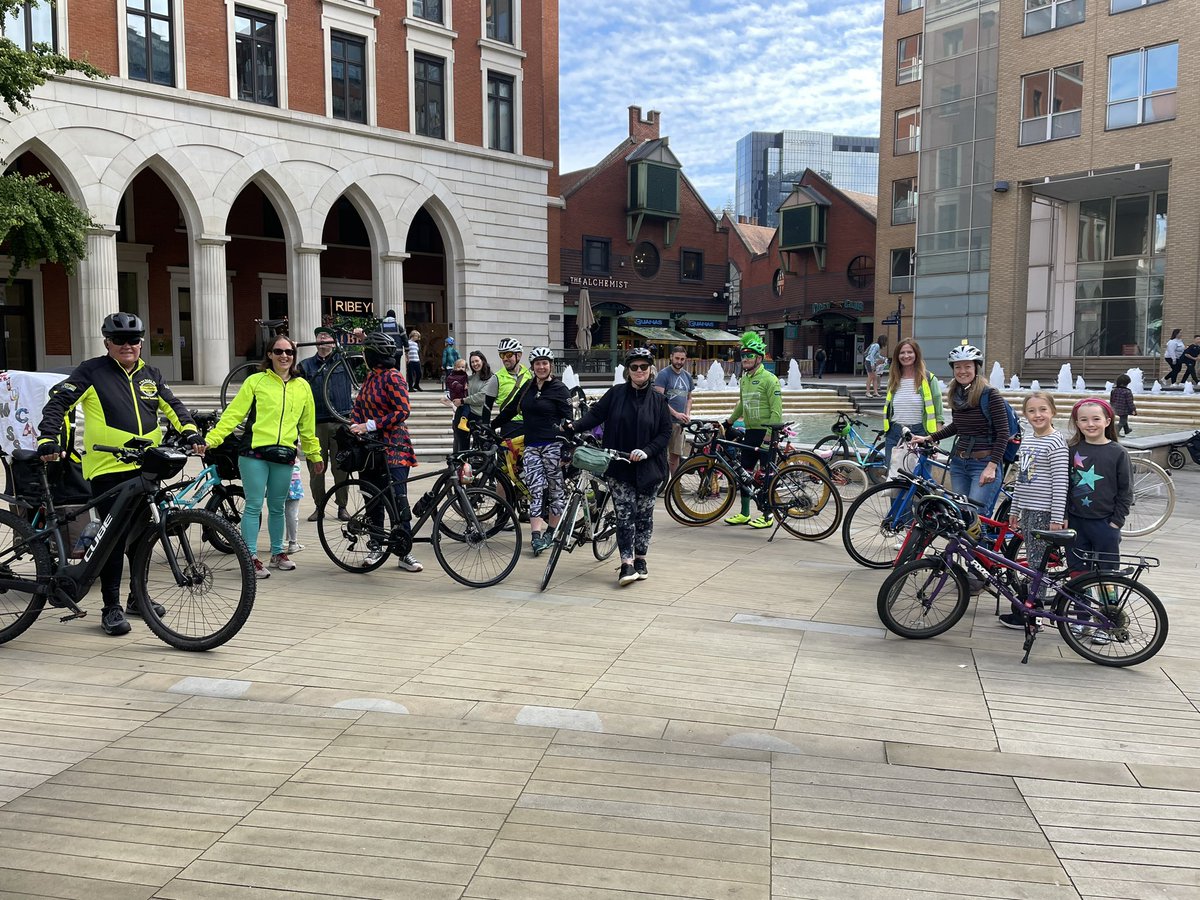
[{"x": 636, "y": 421}]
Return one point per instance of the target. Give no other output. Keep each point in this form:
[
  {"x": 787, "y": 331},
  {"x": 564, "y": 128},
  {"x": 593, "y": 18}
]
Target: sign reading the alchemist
[{"x": 589, "y": 282}]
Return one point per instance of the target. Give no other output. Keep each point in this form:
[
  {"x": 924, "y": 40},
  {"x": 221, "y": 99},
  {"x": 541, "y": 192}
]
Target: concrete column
[
  {"x": 98, "y": 296},
  {"x": 306, "y": 294},
  {"x": 210, "y": 309},
  {"x": 391, "y": 286}
]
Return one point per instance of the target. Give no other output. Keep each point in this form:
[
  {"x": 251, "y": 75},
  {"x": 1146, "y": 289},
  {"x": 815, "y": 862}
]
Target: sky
[{"x": 716, "y": 70}]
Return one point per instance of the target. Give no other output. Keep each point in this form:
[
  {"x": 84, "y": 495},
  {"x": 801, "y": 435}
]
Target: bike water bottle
[{"x": 86, "y": 537}]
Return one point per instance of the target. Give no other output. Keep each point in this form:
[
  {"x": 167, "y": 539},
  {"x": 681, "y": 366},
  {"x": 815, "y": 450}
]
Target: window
[
  {"x": 861, "y": 272},
  {"x": 1046, "y": 15},
  {"x": 596, "y": 255},
  {"x": 1141, "y": 86},
  {"x": 1113, "y": 228},
  {"x": 29, "y": 25},
  {"x": 645, "y": 259},
  {"x": 908, "y": 60},
  {"x": 902, "y": 271},
  {"x": 691, "y": 265},
  {"x": 500, "y": 112},
  {"x": 904, "y": 201},
  {"x": 254, "y": 34},
  {"x": 1122, "y": 5},
  {"x": 1052, "y": 104},
  {"x": 149, "y": 31},
  {"x": 430, "y": 10},
  {"x": 430, "y": 81},
  {"x": 499, "y": 15},
  {"x": 348, "y": 86},
  {"x": 910, "y": 5},
  {"x": 908, "y": 130}
]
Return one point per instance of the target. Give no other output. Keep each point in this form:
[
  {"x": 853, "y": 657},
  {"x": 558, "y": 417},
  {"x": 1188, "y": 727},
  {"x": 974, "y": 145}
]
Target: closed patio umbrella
[{"x": 584, "y": 320}]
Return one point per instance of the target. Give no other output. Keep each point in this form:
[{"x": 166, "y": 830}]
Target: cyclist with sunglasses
[
  {"x": 122, "y": 398},
  {"x": 760, "y": 403},
  {"x": 277, "y": 404}
]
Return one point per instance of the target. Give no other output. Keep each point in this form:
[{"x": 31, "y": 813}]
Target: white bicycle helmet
[
  {"x": 509, "y": 345},
  {"x": 965, "y": 353},
  {"x": 541, "y": 353}
]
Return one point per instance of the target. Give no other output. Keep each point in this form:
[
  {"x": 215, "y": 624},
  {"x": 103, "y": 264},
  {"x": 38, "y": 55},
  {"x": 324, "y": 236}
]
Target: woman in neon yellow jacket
[{"x": 277, "y": 406}]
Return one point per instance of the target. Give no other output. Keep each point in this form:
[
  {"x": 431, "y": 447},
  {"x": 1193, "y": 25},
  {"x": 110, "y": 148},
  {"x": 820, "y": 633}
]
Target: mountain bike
[
  {"x": 476, "y": 536},
  {"x": 207, "y": 595},
  {"x": 590, "y": 516},
  {"x": 1107, "y": 617}
]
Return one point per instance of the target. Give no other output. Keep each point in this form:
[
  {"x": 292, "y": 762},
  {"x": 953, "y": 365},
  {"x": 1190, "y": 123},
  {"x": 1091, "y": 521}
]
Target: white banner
[{"x": 22, "y": 396}]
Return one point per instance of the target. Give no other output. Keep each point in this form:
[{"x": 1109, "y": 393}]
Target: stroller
[{"x": 1175, "y": 458}]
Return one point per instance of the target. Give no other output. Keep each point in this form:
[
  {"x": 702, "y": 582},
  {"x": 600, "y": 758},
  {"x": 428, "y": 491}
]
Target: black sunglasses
[
  {"x": 638, "y": 367},
  {"x": 283, "y": 351},
  {"x": 124, "y": 341}
]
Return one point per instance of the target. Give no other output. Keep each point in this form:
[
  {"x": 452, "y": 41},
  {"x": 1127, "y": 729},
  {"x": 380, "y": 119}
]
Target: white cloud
[{"x": 716, "y": 70}]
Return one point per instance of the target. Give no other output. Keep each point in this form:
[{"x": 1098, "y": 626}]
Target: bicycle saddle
[{"x": 1057, "y": 538}]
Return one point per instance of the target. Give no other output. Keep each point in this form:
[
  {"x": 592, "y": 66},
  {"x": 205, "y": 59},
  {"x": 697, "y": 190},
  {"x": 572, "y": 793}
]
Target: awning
[
  {"x": 714, "y": 335},
  {"x": 660, "y": 335}
]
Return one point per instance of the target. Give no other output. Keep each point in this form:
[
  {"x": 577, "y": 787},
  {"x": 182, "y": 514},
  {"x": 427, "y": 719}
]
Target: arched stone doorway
[
  {"x": 346, "y": 266},
  {"x": 427, "y": 306},
  {"x": 257, "y": 260}
]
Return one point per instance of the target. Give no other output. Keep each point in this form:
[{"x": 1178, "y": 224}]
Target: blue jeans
[{"x": 964, "y": 479}]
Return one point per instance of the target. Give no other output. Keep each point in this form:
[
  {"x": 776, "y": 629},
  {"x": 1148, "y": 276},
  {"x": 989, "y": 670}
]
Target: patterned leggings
[
  {"x": 1035, "y": 550},
  {"x": 543, "y": 476},
  {"x": 635, "y": 518}
]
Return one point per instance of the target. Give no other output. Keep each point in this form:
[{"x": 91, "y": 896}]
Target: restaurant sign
[
  {"x": 590, "y": 282},
  {"x": 848, "y": 305},
  {"x": 702, "y": 323},
  {"x": 650, "y": 323}
]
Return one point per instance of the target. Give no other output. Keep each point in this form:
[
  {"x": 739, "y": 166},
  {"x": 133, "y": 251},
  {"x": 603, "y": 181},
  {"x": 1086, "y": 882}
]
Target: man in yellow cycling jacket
[
  {"x": 121, "y": 398},
  {"x": 510, "y": 377}
]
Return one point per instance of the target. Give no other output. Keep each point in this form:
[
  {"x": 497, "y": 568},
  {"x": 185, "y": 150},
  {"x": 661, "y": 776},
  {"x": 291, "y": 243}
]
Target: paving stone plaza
[{"x": 737, "y": 726}]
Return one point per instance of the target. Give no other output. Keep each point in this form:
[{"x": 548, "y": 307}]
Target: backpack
[{"x": 1014, "y": 429}]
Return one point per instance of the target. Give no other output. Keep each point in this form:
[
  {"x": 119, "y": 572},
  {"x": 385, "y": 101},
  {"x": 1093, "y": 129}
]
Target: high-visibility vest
[{"x": 930, "y": 411}]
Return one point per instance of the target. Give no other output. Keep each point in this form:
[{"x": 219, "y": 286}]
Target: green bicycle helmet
[{"x": 752, "y": 341}]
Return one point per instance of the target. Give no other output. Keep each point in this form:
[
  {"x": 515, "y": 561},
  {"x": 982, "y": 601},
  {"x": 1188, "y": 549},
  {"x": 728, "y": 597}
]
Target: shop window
[
  {"x": 348, "y": 83},
  {"x": 908, "y": 130},
  {"x": 254, "y": 38},
  {"x": 904, "y": 201},
  {"x": 908, "y": 59},
  {"x": 1052, "y": 104},
  {"x": 646, "y": 259},
  {"x": 902, "y": 271},
  {"x": 499, "y": 15},
  {"x": 1046, "y": 15},
  {"x": 596, "y": 255},
  {"x": 150, "y": 40},
  {"x": 1141, "y": 86},
  {"x": 500, "y": 112},
  {"x": 691, "y": 265},
  {"x": 430, "y": 94},
  {"x": 430, "y": 10},
  {"x": 30, "y": 24}
]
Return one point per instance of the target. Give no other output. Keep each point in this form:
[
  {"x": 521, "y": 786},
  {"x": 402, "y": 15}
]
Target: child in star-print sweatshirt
[{"x": 1101, "y": 484}]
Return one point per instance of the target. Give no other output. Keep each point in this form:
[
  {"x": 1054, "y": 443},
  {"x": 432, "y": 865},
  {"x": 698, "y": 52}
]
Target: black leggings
[
  {"x": 753, "y": 454},
  {"x": 110, "y": 575}
]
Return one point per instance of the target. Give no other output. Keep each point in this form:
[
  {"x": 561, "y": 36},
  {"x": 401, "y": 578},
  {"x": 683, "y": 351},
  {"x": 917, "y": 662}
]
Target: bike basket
[
  {"x": 354, "y": 454},
  {"x": 590, "y": 460},
  {"x": 225, "y": 459},
  {"x": 163, "y": 462},
  {"x": 67, "y": 484}
]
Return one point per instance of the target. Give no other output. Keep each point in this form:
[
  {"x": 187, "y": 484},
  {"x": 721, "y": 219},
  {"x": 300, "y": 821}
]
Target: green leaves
[{"x": 40, "y": 223}]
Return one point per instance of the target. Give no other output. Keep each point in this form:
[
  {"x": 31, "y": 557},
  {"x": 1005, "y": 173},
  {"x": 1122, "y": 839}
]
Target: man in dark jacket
[{"x": 314, "y": 370}]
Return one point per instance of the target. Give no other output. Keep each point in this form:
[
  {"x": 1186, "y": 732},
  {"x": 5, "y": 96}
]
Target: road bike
[
  {"x": 1108, "y": 616},
  {"x": 590, "y": 516},
  {"x": 206, "y": 594},
  {"x": 476, "y": 535}
]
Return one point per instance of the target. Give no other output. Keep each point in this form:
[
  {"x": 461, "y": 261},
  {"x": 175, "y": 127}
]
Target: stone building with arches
[{"x": 349, "y": 155}]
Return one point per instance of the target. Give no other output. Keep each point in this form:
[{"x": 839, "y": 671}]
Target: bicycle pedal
[{"x": 78, "y": 614}]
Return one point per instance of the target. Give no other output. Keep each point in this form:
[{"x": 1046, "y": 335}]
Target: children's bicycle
[
  {"x": 1108, "y": 617},
  {"x": 845, "y": 443}
]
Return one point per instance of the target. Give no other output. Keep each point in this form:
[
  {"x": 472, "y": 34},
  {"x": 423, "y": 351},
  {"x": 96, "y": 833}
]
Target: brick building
[
  {"x": 1047, "y": 144},
  {"x": 263, "y": 158},
  {"x": 638, "y": 237},
  {"x": 818, "y": 288}
]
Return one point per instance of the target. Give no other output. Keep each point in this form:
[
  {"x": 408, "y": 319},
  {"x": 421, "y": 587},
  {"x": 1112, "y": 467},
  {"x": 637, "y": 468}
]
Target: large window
[
  {"x": 1052, "y": 104},
  {"x": 902, "y": 271},
  {"x": 910, "y": 5},
  {"x": 1122, "y": 227},
  {"x": 430, "y": 94},
  {"x": 254, "y": 34},
  {"x": 1046, "y": 15},
  {"x": 908, "y": 130},
  {"x": 500, "y": 112},
  {"x": 499, "y": 15},
  {"x": 29, "y": 25},
  {"x": 691, "y": 265},
  {"x": 1122, "y": 5},
  {"x": 150, "y": 33},
  {"x": 908, "y": 59},
  {"x": 904, "y": 201},
  {"x": 348, "y": 82},
  {"x": 431, "y": 10},
  {"x": 1141, "y": 86},
  {"x": 596, "y": 255}
]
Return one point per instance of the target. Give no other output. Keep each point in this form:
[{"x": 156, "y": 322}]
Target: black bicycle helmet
[
  {"x": 639, "y": 353},
  {"x": 379, "y": 342},
  {"x": 124, "y": 324}
]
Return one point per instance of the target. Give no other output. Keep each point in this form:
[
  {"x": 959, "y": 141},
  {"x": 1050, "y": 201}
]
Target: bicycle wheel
[
  {"x": 22, "y": 556},
  {"x": 849, "y": 478},
  {"x": 363, "y": 542},
  {"x": 1153, "y": 498},
  {"x": 349, "y": 367},
  {"x": 922, "y": 599},
  {"x": 1176, "y": 459},
  {"x": 836, "y": 445},
  {"x": 701, "y": 491},
  {"x": 488, "y": 551},
  {"x": 604, "y": 524},
  {"x": 916, "y": 544},
  {"x": 233, "y": 381},
  {"x": 804, "y": 457},
  {"x": 806, "y": 502},
  {"x": 1139, "y": 620},
  {"x": 213, "y": 603},
  {"x": 227, "y": 501},
  {"x": 874, "y": 526},
  {"x": 564, "y": 534}
]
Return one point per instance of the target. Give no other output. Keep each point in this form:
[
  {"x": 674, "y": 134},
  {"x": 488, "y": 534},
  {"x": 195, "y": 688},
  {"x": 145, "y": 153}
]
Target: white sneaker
[
  {"x": 294, "y": 547},
  {"x": 373, "y": 556},
  {"x": 260, "y": 571},
  {"x": 281, "y": 562},
  {"x": 409, "y": 564}
]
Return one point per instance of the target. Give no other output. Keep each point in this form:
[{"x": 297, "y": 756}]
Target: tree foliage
[{"x": 36, "y": 221}]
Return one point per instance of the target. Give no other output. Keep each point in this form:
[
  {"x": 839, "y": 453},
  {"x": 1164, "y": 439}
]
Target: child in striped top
[{"x": 1040, "y": 495}]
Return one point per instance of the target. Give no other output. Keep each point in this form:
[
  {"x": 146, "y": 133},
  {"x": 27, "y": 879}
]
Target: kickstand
[
  {"x": 775, "y": 530},
  {"x": 1031, "y": 630}
]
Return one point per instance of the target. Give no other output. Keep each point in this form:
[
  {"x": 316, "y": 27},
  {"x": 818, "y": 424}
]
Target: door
[
  {"x": 17, "y": 350},
  {"x": 187, "y": 361}
]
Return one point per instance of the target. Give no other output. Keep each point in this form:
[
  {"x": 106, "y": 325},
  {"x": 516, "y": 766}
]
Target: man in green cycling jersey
[{"x": 760, "y": 403}]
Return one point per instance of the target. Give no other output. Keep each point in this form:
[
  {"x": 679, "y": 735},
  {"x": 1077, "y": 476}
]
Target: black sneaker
[
  {"x": 113, "y": 621},
  {"x": 627, "y": 575},
  {"x": 1013, "y": 620},
  {"x": 132, "y": 608},
  {"x": 639, "y": 566}
]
